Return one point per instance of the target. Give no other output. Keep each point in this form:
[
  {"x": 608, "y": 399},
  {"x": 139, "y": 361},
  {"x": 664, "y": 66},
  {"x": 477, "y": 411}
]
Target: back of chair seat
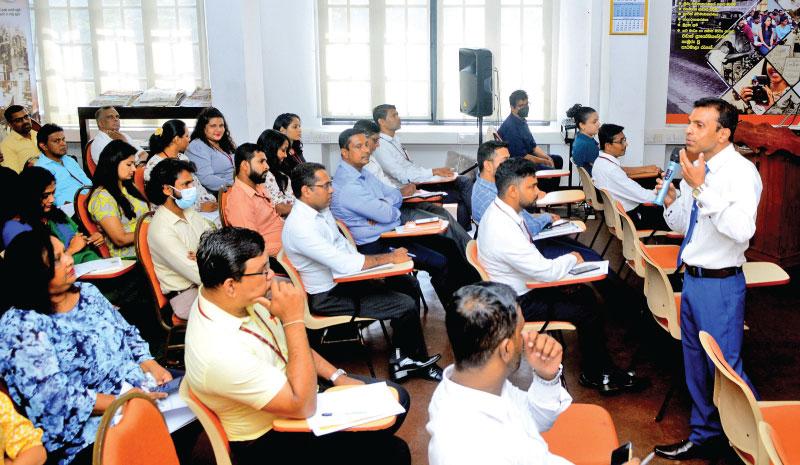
[
  {"x": 589, "y": 189},
  {"x": 82, "y": 209},
  {"x": 661, "y": 298},
  {"x": 140, "y": 438},
  {"x": 738, "y": 410},
  {"x": 138, "y": 180},
  {"x": 610, "y": 214},
  {"x": 630, "y": 239},
  {"x": 88, "y": 162},
  {"x": 472, "y": 258},
  {"x": 222, "y": 202},
  {"x": 211, "y": 424},
  {"x": 145, "y": 258},
  {"x": 345, "y": 231}
]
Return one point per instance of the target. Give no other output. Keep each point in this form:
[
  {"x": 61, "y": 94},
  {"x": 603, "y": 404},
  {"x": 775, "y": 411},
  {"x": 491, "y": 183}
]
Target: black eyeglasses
[
  {"x": 263, "y": 272},
  {"x": 624, "y": 140},
  {"x": 327, "y": 185}
]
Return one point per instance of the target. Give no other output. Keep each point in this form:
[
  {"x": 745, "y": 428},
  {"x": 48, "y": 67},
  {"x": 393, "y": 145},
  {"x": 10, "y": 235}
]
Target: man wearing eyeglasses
[
  {"x": 19, "y": 144},
  {"x": 608, "y": 174}
]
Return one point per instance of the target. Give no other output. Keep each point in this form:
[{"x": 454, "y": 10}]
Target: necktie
[{"x": 692, "y": 222}]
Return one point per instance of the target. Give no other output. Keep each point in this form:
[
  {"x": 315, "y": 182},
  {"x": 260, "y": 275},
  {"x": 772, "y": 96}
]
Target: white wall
[{"x": 263, "y": 63}]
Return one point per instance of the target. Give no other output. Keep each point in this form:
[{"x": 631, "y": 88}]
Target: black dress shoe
[
  {"x": 603, "y": 382},
  {"x": 401, "y": 369},
  {"x": 687, "y": 450},
  {"x": 432, "y": 373},
  {"x": 629, "y": 381}
]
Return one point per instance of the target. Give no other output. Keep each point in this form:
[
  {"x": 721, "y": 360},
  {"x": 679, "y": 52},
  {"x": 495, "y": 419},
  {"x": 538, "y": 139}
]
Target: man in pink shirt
[{"x": 249, "y": 204}]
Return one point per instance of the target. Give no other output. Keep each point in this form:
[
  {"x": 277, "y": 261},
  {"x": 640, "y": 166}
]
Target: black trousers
[
  {"x": 394, "y": 299},
  {"x": 549, "y": 185},
  {"x": 575, "y": 305},
  {"x": 647, "y": 217}
]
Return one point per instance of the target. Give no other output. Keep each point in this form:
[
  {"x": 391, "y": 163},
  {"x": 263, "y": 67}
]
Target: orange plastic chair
[
  {"x": 82, "y": 209},
  {"x": 584, "y": 434},
  {"x": 632, "y": 247},
  {"x": 211, "y": 424},
  {"x": 88, "y": 162},
  {"x": 740, "y": 413},
  {"x": 140, "y": 438},
  {"x": 138, "y": 180},
  {"x": 146, "y": 260},
  {"x": 222, "y": 203},
  {"x": 781, "y": 445}
]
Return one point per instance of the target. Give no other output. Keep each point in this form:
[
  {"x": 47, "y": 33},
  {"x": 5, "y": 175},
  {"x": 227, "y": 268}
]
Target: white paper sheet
[
  {"x": 95, "y": 266},
  {"x": 338, "y": 410},
  {"x": 561, "y": 230},
  {"x": 386, "y": 266}
]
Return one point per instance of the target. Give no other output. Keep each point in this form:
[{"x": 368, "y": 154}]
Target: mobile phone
[
  {"x": 426, "y": 220},
  {"x": 583, "y": 268},
  {"x": 170, "y": 386},
  {"x": 622, "y": 454}
]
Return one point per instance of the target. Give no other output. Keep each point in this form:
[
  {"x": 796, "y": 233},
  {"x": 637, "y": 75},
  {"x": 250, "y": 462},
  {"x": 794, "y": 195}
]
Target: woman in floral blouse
[
  {"x": 65, "y": 352},
  {"x": 116, "y": 204},
  {"x": 275, "y": 146},
  {"x": 20, "y": 442}
]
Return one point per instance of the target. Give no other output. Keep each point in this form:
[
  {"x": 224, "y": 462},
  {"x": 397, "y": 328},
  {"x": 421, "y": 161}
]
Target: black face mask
[{"x": 523, "y": 112}]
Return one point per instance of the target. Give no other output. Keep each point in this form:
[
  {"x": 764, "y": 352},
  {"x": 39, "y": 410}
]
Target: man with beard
[
  {"x": 20, "y": 144},
  {"x": 249, "y": 204}
]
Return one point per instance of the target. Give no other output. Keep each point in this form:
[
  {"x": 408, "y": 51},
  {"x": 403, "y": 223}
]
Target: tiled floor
[{"x": 770, "y": 353}]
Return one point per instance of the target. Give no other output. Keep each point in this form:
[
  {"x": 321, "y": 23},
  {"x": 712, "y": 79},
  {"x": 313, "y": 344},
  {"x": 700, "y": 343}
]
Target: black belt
[{"x": 697, "y": 272}]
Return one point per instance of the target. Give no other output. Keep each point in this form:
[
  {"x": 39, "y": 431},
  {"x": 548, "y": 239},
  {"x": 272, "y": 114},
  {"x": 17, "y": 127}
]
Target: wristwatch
[
  {"x": 698, "y": 190},
  {"x": 336, "y": 374}
]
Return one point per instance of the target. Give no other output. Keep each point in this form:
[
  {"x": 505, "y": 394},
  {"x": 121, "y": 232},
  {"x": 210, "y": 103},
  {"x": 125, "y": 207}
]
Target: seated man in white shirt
[
  {"x": 317, "y": 250},
  {"x": 108, "y": 124},
  {"x": 248, "y": 359},
  {"x": 476, "y": 415},
  {"x": 507, "y": 252},
  {"x": 175, "y": 232},
  {"x": 608, "y": 174},
  {"x": 397, "y": 165}
]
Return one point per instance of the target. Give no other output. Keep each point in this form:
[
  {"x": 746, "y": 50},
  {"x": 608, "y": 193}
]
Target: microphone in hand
[{"x": 669, "y": 174}]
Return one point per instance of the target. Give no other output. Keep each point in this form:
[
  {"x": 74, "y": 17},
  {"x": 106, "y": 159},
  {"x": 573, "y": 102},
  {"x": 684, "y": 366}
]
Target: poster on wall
[
  {"x": 17, "y": 79},
  {"x": 746, "y": 52}
]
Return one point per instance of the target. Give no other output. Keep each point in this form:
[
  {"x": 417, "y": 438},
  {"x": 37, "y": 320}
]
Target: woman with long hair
[
  {"x": 289, "y": 124},
  {"x": 116, "y": 204},
  {"x": 65, "y": 352},
  {"x": 36, "y": 210},
  {"x": 171, "y": 141},
  {"x": 211, "y": 150},
  {"x": 276, "y": 145},
  {"x": 776, "y": 89}
]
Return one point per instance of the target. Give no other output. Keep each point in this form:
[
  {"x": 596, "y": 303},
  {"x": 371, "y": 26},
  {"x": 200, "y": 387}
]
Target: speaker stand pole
[{"x": 480, "y": 130}]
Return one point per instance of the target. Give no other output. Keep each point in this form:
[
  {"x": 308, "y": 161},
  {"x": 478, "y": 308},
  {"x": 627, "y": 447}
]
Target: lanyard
[
  {"x": 401, "y": 150},
  {"x": 261, "y": 338}
]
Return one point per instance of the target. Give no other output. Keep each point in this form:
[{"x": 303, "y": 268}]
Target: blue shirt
[
  {"x": 585, "y": 151},
  {"x": 214, "y": 168},
  {"x": 360, "y": 198},
  {"x": 69, "y": 177},
  {"x": 516, "y": 133},
  {"x": 484, "y": 193},
  {"x": 55, "y": 365}
]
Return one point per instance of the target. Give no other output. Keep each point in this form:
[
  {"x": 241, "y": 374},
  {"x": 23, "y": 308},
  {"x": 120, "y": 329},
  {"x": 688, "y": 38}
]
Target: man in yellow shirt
[{"x": 20, "y": 143}]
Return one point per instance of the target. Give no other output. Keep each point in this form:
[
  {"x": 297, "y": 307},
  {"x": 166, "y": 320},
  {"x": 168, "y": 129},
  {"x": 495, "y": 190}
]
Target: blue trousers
[{"x": 715, "y": 306}]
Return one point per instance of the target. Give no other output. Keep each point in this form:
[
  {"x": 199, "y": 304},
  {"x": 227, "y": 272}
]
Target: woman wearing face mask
[
  {"x": 585, "y": 149},
  {"x": 289, "y": 124},
  {"x": 170, "y": 141},
  {"x": 175, "y": 232},
  {"x": 116, "y": 204}
]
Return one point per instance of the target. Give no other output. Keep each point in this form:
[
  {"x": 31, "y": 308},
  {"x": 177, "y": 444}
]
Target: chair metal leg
[
  {"x": 667, "y": 398},
  {"x": 596, "y": 233},
  {"x": 367, "y": 357},
  {"x": 610, "y": 238},
  {"x": 386, "y": 334}
]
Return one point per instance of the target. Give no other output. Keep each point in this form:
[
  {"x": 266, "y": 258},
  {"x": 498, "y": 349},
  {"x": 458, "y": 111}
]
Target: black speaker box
[{"x": 475, "y": 77}]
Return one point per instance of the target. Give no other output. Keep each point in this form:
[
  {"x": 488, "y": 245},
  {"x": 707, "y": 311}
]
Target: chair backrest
[
  {"x": 631, "y": 246},
  {"x": 345, "y": 231},
  {"x": 222, "y": 202},
  {"x": 661, "y": 299},
  {"x": 141, "y": 437},
  {"x": 472, "y": 258},
  {"x": 211, "y": 424},
  {"x": 738, "y": 410},
  {"x": 88, "y": 162},
  {"x": 144, "y": 257},
  {"x": 589, "y": 190},
  {"x": 775, "y": 444},
  {"x": 138, "y": 180},
  {"x": 297, "y": 281},
  {"x": 610, "y": 214},
  {"x": 82, "y": 209}
]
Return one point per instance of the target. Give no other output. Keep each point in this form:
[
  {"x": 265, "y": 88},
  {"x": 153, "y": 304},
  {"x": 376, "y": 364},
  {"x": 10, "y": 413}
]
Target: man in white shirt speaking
[
  {"x": 608, "y": 174},
  {"x": 716, "y": 212},
  {"x": 476, "y": 415}
]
